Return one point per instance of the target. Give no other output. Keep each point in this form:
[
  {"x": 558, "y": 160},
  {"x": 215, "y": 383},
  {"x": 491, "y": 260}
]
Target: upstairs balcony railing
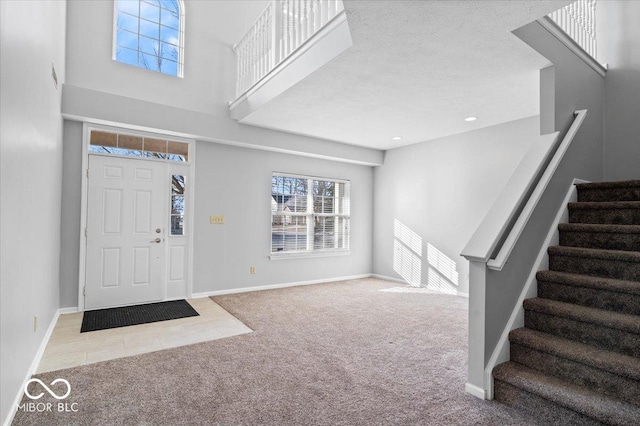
[
  {"x": 283, "y": 27},
  {"x": 578, "y": 20}
]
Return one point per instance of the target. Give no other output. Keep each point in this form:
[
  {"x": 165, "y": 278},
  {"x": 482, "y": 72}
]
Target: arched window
[{"x": 150, "y": 34}]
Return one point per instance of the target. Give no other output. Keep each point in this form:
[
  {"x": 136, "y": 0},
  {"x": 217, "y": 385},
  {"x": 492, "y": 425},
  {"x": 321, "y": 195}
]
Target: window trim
[
  {"x": 184, "y": 195},
  {"x": 330, "y": 252},
  {"x": 181, "y": 32}
]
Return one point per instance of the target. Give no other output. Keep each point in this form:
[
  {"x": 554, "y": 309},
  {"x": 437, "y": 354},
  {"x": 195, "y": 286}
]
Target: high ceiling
[{"x": 416, "y": 70}]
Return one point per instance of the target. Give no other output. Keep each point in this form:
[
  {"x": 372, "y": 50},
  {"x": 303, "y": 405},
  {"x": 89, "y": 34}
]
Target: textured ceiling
[{"x": 416, "y": 70}]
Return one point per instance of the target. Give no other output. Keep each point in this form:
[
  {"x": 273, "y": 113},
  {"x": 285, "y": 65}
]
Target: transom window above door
[
  {"x": 150, "y": 34},
  {"x": 127, "y": 145}
]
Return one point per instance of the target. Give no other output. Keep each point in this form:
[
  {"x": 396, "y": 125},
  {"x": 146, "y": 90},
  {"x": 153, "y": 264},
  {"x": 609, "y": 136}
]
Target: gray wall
[
  {"x": 70, "y": 218},
  {"x": 211, "y": 28},
  {"x": 106, "y": 108},
  {"x": 32, "y": 38},
  {"x": 619, "y": 46},
  {"x": 441, "y": 190},
  {"x": 234, "y": 182},
  {"x": 197, "y": 106},
  {"x": 102, "y": 90},
  {"x": 577, "y": 86}
]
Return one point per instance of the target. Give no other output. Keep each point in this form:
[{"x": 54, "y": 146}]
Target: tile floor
[{"x": 68, "y": 347}]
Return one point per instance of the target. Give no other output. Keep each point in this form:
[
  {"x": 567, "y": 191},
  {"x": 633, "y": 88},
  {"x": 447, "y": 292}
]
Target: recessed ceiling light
[
  {"x": 397, "y": 138},
  {"x": 472, "y": 118}
]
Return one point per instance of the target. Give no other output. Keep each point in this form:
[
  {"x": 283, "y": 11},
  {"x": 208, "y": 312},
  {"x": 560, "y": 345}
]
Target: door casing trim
[{"x": 86, "y": 129}]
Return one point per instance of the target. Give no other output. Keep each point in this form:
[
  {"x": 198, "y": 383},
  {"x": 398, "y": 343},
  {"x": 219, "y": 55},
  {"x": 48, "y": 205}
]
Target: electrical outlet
[
  {"x": 252, "y": 270},
  {"x": 35, "y": 323},
  {"x": 216, "y": 220}
]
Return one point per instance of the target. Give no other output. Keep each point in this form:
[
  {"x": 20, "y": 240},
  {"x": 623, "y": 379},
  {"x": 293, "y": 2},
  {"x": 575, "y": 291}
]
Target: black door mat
[{"x": 103, "y": 319}]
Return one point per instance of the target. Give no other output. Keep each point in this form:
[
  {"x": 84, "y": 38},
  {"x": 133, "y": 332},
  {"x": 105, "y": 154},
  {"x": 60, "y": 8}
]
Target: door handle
[{"x": 157, "y": 240}]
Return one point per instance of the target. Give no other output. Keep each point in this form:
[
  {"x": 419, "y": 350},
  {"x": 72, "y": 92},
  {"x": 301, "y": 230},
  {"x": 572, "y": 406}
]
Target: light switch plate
[{"x": 216, "y": 220}]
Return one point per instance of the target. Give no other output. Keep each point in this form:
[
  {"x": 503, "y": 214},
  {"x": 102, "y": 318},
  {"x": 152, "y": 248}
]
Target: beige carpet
[{"x": 363, "y": 352}]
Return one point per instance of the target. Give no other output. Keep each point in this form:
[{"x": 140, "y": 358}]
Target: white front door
[{"x": 126, "y": 213}]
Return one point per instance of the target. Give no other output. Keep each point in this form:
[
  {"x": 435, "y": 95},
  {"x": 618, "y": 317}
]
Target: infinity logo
[{"x": 52, "y": 393}]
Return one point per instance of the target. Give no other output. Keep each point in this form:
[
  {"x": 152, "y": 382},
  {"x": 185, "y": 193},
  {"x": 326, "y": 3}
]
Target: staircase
[{"x": 577, "y": 360}]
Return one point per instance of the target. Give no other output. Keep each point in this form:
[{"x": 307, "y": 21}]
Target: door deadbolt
[{"x": 158, "y": 231}]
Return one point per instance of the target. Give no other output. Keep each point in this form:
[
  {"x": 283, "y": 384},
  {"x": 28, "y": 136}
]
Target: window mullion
[
  {"x": 138, "y": 38},
  {"x": 159, "y": 51},
  {"x": 310, "y": 216},
  {"x": 346, "y": 222},
  {"x": 336, "y": 222}
]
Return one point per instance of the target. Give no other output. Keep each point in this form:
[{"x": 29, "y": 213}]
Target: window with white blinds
[{"x": 309, "y": 215}]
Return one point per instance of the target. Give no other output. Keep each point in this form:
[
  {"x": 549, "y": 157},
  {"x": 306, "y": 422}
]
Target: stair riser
[
  {"x": 595, "y": 267},
  {"x": 600, "y": 240},
  {"x": 609, "y": 194},
  {"x": 605, "y": 216},
  {"x": 547, "y": 411},
  {"x": 602, "y": 337},
  {"x": 577, "y": 373},
  {"x": 611, "y": 301}
]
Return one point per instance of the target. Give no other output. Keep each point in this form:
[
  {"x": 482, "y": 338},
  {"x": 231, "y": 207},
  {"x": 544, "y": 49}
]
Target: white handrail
[
  {"x": 507, "y": 247},
  {"x": 513, "y": 207},
  {"x": 493, "y": 228},
  {"x": 578, "y": 20},
  {"x": 283, "y": 27}
]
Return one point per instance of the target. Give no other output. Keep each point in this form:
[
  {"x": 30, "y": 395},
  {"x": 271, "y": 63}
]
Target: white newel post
[{"x": 477, "y": 313}]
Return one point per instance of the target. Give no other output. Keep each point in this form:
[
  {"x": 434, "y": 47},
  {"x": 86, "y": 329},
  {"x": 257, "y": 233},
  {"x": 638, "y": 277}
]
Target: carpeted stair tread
[
  {"x": 608, "y": 191},
  {"x": 613, "y": 362},
  {"x": 594, "y": 291},
  {"x": 600, "y": 317},
  {"x": 573, "y": 371},
  {"x": 576, "y": 398},
  {"x": 618, "y": 264},
  {"x": 612, "y": 212},
  {"x": 599, "y": 283},
  {"x": 604, "y": 205},
  {"x": 600, "y": 236},
  {"x": 609, "y": 185},
  {"x": 599, "y": 228},
  {"x": 589, "y": 253},
  {"x": 622, "y": 213}
]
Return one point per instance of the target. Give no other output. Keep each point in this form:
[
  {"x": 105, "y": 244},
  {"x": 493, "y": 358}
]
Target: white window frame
[
  {"x": 310, "y": 214},
  {"x": 181, "y": 31}
]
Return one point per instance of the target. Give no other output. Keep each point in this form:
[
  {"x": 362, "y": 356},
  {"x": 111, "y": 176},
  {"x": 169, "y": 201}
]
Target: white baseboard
[
  {"x": 36, "y": 361},
  {"x": 474, "y": 390},
  {"x": 43, "y": 344},
  {"x": 401, "y": 281},
  {"x": 387, "y": 278},
  {"x": 275, "y": 286},
  {"x": 501, "y": 353},
  {"x": 71, "y": 310}
]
